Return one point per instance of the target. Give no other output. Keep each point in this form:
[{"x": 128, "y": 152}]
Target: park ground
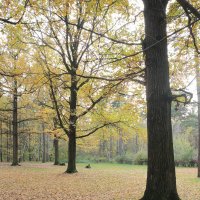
[{"x": 101, "y": 182}]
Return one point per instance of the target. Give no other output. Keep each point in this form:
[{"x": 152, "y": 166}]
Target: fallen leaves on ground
[{"x": 101, "y": 182}]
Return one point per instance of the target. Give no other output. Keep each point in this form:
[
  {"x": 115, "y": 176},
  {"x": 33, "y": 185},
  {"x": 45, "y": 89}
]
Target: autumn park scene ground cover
[
  {"x": 101, "y": 182},
  {"x": 100, "y": 99}
]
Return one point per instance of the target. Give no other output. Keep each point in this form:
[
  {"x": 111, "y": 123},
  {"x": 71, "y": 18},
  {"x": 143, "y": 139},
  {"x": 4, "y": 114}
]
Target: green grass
[{"x": 195, "y": 180}]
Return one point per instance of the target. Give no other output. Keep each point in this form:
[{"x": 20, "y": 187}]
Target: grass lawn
[{"x": 101, "y": 182}]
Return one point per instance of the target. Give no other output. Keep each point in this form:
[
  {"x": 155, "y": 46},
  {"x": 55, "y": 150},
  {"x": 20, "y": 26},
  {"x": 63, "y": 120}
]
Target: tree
[
  {"x": 15, "y": 81},
  {"x": 15, "y": 123},
  {"x": 82, "y": 49},
  {"x": 56, "y": 148},
  {"x": 13, "y": 12},
  {"x": 1, "y": 143},
  {"x": 190, "y": 9},
  {"x": 198, "y": 102},
  {"x": 161, "y": 179}
]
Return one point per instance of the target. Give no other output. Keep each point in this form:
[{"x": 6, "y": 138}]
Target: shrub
[
  {"x": 140, "y": 158},
  {"x": 183, "y": 150},
  {"x": 125, "y": 159},
  {"x": 101, "y": 160}
]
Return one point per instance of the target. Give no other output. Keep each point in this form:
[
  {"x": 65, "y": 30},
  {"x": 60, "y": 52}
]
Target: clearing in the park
[{"x": 101, "y": 182}]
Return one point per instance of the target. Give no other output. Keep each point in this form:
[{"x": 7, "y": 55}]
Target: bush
[
  {"x": 101, "y": 160},
  {"x": 62, "y": 164},
  {"x": 63, "y": 161},
  {"x": 125, "y": 159},
  {"x": 183, "y": 150},
  {"x": 140, "y": 158},
  {"x": 189, "y": 163}
]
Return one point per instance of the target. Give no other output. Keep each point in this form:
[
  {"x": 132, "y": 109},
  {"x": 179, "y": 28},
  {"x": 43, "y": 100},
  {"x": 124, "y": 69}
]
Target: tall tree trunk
[
  {"x": 135, "y": 146},
  {"x": 72, "y": 126},
  {"x": 104, "y": 148},
  {"x": 111, "y": 149},
  {"x": 7, "y": 142},
  {"x": 43, "y": 145},
  {"x": 56, "y": 142},
  {"x": 121, "y": 144},
  {"x": 29, "y": 147},
  {"x": 8, "y": 139},
  {"x": 1, "y": 148},
  {"x": 121, "y": 147},
  {"x": 71, "y": 168},
  {"x": 56, "y": 151},
  {"x": 100, "y": 148},
  {"x": 47, "y": 148},
  {"x": 39, "y": 147},
  {"x": 161, "y": 179},
  {"x": 15, "y": 125},
  {"x": 198, "y": 100}
]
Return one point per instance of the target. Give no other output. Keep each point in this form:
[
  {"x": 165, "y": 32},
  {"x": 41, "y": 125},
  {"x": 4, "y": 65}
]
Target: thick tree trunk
[
  {"x": 72, "y": 126},
  {"x": 15, "y": 126},
  {"x": 56, "y": 149},
  {"x": 71, "y": 168},
  {"x": 198, "y": 100},
  {"x": 161, "y": 179}
]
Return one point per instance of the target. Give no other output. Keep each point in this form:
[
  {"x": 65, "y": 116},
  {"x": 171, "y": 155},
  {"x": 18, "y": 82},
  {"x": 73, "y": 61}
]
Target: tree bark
[
  {"x": 72, "y": 125},
  {"x": 56, "y": 149},
  {"x": 111, "y": 149},
  {"x": 135, "y": 145},
  {"x": 39, "y": 147},
  {"x": 47, "y": 148},
  {"x": 15, "y": 125},
  {"x": 43, "y": 145},
  {"x": 121, "y": 144},
  {"x": 100, "y": 148},
  {"x": 161, "y": 179},
  {"x": 29, "y": 147},
  {"x": 56, "y": 141},
  {"x": 1, "y": 148},
  {"x": 71, "y": 168},
  {"x": 198, "y": 101},
  {"x": 7, "y": 142},
  {"x": 8, "y": 139}
]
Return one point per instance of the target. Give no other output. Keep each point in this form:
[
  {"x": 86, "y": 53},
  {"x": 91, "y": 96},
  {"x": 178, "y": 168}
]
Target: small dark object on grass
[
  {"x": 62, "y": 164},
  {"x": 88, "y": 166}
]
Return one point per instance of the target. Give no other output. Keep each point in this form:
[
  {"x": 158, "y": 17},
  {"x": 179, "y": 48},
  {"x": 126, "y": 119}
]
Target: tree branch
[
  {"x": 187, "y": 6},
  {"x": 187, "y": 96},
  {"x": 28, "y": 119},
  {"x": 8, "y": 21},
  {"x": 97, "y": 128}
]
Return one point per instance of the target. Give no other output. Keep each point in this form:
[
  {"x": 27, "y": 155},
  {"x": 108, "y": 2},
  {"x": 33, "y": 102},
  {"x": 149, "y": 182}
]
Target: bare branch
[
  {"x": 97, "y": 128},
  {"x": 8, "y": 21},
  {"x": 28, "y": 119},
  {"x": 187, "y": 96},
  {"x": 187, "y": 6}
]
